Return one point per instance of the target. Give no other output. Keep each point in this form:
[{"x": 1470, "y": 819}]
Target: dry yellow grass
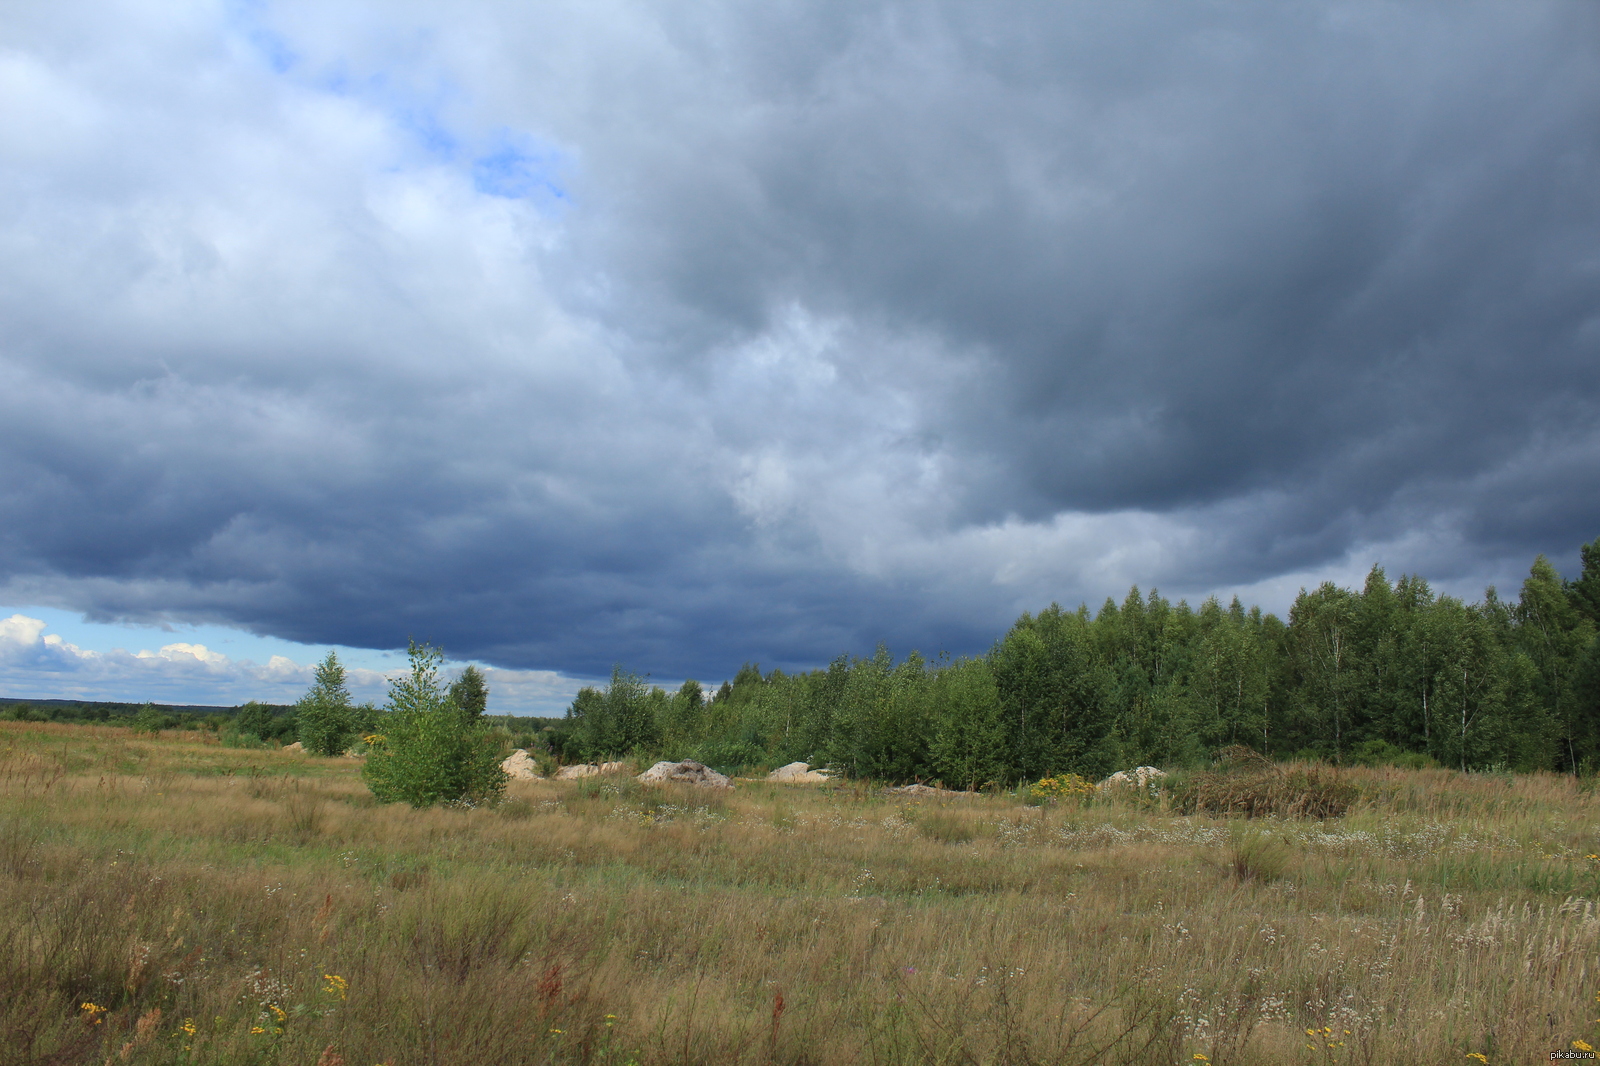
[{"x": 270, "y": 911}]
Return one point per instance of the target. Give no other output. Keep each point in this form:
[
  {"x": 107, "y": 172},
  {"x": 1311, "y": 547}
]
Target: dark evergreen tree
[{"x": 470, "y": 693}]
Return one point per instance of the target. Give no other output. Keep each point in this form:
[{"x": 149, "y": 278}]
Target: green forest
[{"x": 1389, "y": 673}]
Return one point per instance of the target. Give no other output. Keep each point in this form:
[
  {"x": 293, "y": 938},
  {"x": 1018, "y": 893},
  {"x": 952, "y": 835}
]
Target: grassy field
[{"x": 166, "y": 900}]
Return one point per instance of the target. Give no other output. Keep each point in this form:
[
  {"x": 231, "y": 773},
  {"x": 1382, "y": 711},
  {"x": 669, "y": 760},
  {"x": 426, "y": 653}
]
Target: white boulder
[
  {"x": 1139, "y": 777},
  {"x": 687, "y": 772},
  {"x": 798, "y": 772},
  {"x": 589, "y": 769},
  {"x": 519, "y": 766}
]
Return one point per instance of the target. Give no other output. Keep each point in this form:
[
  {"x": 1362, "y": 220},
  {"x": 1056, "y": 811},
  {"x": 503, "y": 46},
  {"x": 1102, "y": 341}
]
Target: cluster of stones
[{"x": 521, "y": 766}]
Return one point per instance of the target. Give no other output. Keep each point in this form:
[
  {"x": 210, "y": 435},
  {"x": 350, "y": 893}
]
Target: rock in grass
[
  {"x": 1140, "y": 776},
  {"x": 687, "y": 772},
  {"x": 297, "y": 747},
  {"x": 925, "y": 790},
  {"x": 798, "y": 772},
  {"x": 519, "y": 766},
  {"x": 589, "y": 769}
]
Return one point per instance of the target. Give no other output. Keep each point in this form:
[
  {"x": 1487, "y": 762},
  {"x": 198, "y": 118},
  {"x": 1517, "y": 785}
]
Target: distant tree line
[
  {"x": 272, "y": 720},
  {"x": 1391, "y": 672}
]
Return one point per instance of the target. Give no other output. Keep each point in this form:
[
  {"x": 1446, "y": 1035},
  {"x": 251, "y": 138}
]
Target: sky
[{"x": 569, "y": 335}]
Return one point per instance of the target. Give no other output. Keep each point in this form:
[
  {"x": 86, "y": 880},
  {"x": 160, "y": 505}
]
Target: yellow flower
[
  {"x": 1200, "y": 1058},
  {"x": 1479, "y": 1056},
  {"x": 275, "y": 1009},
  {"x": 336, "y": 986},
  {"x": 555, "y": 1032},
  {"x": 1582, "y": 1045},
  {"x": 187, "y": 1027},
  {"x": 94, "y": 1011},
  {"x": 256, "y": 1030}
]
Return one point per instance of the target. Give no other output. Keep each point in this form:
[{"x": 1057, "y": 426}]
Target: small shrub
[
  {"x": 1061, "y": 787},
  {"x": 148, "y": 720},
  {"x": 1256, "y": 856},
  {"x": 428, "y": 749},
  {"x": 1379, "y": 752},
  {"x": 305, "y": 814},
  {"x": 1247, "y": 783}
]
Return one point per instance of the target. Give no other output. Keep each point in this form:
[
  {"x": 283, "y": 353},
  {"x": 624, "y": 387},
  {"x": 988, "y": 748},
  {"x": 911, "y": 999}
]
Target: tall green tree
[
  {"x": 622, "y": 718},
  {"x": 471, "y": 692},
  {"x": 1584, "y": 592},
  {"x": 323, "y": 714},
  {"x": 968, "y": 744},
  {"x": 1052, "y": 693},
  {"x": 1321, "y": 646},
  {"x": 1554, "y": 634},
  {"x": 1229, "y": 679}
]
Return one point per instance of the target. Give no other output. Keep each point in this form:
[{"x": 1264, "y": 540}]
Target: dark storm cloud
[{"x": 679, "y": 337}]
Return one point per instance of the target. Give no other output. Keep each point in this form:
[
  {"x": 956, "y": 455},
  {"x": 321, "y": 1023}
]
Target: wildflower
[
  {"x": 94, "y": 1012},
  {"x": 1582, "y": 1045},
  {"x": 275, "y": 1009},
  {"x": 188, "y": 1026},
  {"x": 336, "y": 986},
  {"x": 1200, "y": 1058},
  {"x": 555, "y": 1032},
  {"x": 1479, "y": 1056},
  {"x": 256, "y": 1030}
]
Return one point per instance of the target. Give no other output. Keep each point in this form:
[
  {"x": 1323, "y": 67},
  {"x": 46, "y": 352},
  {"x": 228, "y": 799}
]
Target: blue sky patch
[
  {"x": 517, "y": 173},
  {"x": 246, "y": 17}
]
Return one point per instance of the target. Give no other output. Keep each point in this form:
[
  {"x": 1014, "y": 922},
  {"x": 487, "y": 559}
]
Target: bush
[
  {"x": 1379, "y": 752},
  {"x": 148, "y": 720},
  {"x": 265, "y": 722},
  {"x": 1246, "y": 783},
  {"x": 427, "y": 749},
  {"x": 1062, "y": 786},
  {"x": 1256, "y": 856}
]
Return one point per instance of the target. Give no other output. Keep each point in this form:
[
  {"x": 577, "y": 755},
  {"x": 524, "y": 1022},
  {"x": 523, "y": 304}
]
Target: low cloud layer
[{"x": 581, "y": 334}]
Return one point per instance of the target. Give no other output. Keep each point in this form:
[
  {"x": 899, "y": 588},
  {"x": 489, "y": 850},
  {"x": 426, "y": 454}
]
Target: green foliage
[
  {"x": 626, "y": 716},
  {"x": 428, "y": 749},
  {"x": 263, "y": 722},
  {"x": 470, "y": 692},
  {"x": 968, "y": 746},
  {"x": 148, "y": 720},
  {"x": 1389, "y": 673},
  {"x": 323, "y": 714}
]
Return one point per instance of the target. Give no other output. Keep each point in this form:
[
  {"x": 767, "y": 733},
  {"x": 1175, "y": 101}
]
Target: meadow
[{"x": 169, "y": 900}]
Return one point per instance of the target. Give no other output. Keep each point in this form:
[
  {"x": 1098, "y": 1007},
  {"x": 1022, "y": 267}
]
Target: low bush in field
[
  {"x": 429, "y": 749},
  {"x": 1060, "y": 787},
  {"x": 1246, "y": 783}
]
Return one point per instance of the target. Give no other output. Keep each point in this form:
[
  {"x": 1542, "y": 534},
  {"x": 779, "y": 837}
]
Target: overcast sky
[{"x": 680, "y": 335}]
